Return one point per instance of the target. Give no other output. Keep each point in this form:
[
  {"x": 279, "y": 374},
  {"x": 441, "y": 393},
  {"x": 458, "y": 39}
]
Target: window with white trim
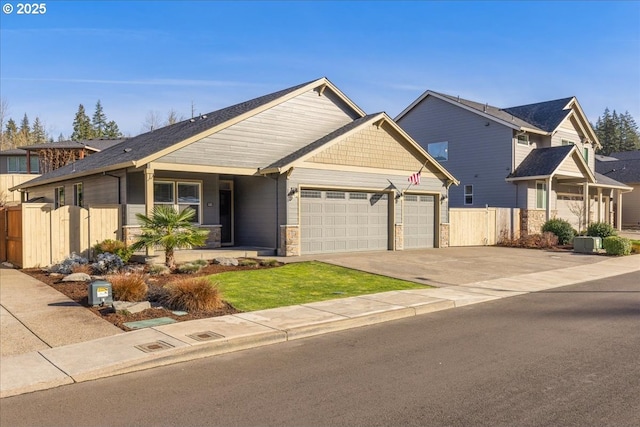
[
  {"x": 179, "y": 194},
  {"x": 523, "y": 139},
  {"x": 439, "y": 150},
  {"x": 567, "y": 142},
  {"x": 78, "y": 195},
  {"x": 541, "y": 195},
  {"x": 468, "y": 194},
  {"x": 58, "y": 197}
]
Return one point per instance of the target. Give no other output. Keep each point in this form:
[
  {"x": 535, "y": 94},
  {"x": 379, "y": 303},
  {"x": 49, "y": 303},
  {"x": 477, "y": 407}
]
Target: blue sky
[{"x": 142, "y": 56}]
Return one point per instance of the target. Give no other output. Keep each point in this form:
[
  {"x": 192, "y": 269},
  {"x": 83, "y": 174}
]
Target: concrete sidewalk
[{"x": 112, "y": 352}]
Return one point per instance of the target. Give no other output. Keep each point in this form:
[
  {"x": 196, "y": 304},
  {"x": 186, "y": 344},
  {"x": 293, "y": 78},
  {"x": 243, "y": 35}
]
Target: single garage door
[
  {"x": 569, "y": 208},
  {"x": 343, "y": 221},
  {"x": 419, "y": 221}
]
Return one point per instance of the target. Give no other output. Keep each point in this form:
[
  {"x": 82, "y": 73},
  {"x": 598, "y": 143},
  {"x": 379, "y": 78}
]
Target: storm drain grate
[
  {"x": 205, "y": 336},
  {"x": 154, "y": 346}
]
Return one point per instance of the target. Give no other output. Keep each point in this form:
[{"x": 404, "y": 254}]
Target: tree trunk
[{"x": 169, "y": 258}]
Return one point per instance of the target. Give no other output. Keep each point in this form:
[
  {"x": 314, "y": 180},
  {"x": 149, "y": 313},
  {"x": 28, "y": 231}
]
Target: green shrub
[
  {"x": 247, "y": 262},
  {"x": 601, "y": 229},
  {"x": 128, "y": 287},
  {"x": 560, "y": 228},
  {"x": 615, "y": 245},
  {"x": 115, "y": 247},
  {"x": 201, "y": 262},
  {"x": 159, "y": 270},
  {"x": 189, "y": 268},
  {"x": 193, "y": 294},
  {"x": 269, "y": 263}
]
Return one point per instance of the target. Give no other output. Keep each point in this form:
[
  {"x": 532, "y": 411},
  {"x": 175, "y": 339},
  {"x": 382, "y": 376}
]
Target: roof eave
[{"x": 74, "y": 175}]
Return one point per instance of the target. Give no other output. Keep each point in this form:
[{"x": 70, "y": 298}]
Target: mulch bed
[{"x": 78, "y": 292}]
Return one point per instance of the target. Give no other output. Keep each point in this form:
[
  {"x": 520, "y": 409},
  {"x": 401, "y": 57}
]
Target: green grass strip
[{"x": 300, "y": 283}]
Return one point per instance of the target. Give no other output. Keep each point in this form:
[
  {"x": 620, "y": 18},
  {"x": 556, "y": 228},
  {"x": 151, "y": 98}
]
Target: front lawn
[{"x": 300, "y": 283}]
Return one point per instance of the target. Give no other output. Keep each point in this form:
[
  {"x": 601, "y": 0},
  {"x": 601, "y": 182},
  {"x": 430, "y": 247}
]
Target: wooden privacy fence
[
  {"x": 47, "y": 236},
  {"x": 482, "y": 226}
]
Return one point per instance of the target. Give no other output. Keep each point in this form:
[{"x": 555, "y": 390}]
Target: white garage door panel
[
  {"x": 419, "y": 221},
  {"x": 337, "y": 221}
]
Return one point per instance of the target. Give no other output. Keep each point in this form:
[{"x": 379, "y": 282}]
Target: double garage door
[{"x": 346, "y": 221}]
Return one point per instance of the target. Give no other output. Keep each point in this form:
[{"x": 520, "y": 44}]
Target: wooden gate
[
  {"x": 482, "y": 227},
  {"x": 11, "y": 235}
]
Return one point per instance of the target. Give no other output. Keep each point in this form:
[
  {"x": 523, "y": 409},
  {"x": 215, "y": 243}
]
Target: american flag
[{"x": 415, "y": 178}]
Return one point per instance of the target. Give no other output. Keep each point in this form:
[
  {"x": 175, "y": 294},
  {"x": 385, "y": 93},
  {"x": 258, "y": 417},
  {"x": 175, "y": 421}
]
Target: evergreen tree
[
  {"x": 617, "y": 132},
  {"x": 111, "y": 130},
  {"x": 38, "y": 134},
  {"x": 11, "y": 133},
  {"x": 99, "y": 121},
  {"x": 61, "y": 137},
  {"x": 82, "y": 128},
  {"x": 629, "y": 135},
  {"x": 23, "y": 137}
]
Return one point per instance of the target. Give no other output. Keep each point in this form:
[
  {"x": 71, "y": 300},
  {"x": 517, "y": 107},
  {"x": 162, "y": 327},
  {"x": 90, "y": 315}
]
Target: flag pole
[{"x": 410, "y": 183}]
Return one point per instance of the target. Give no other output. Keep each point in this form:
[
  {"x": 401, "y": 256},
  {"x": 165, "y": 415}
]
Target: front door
[{"x": 226, "y": 212}]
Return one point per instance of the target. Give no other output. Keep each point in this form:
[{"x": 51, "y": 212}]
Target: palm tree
[{"x": 170, "y": 229}]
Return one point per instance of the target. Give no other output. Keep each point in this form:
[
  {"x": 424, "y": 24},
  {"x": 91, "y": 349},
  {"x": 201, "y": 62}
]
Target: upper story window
[
  {"x": 585, "y": 154},
  {"x": 439, "y": 150},
  {"x": 567, "y": 142},
  {"x": 523, "y": 139},
  {"x": 18, "y": 164},
  {"x": 468, "y": 194}
]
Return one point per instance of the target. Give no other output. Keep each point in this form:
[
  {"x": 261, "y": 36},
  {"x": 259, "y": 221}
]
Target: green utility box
[
  {"x": 100, "y": 293},
  {"x": 586, "y": 244}
]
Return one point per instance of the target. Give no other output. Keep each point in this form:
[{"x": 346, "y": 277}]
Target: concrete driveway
[{"x": 456, "y": 266}]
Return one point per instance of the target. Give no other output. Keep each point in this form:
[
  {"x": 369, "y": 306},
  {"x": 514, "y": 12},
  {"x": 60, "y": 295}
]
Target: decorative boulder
[
  {"x": 77, "y": 277},
  {"x": 131, "y": 307},
  {"x": 226, "y": 261}
]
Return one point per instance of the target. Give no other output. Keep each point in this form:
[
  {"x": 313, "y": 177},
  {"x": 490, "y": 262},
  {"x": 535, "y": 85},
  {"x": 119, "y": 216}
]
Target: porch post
[
  {"x": 587, "y": 200},
  {"x": 618, "y": 194},
  {"x": 148, "y": 199},
  {"x": 599, "y": 204},
  {"x": 548, "y": 201}
]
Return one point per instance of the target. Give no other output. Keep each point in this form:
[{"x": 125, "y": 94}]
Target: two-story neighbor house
[
  {"x": 302, "y": 170},
  {"x": 537, "y": 157},
  {"x": 624, "y": 167}
]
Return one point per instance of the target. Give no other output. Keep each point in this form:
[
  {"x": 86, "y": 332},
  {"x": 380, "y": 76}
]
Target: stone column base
[
  {"x": 398, "y": 237},
  {"x": 289, "y": 240},
  {"x": 214, "y": 240},
  {"x": 444, "y": 235}
]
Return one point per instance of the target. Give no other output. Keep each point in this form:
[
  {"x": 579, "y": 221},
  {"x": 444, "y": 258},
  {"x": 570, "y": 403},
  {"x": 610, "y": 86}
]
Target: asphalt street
[{"x": 563, "y": 357}]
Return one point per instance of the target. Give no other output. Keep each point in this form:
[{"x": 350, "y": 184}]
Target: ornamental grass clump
[
  {"x": 115, "y": 247},
  {"x": 193, "y": 294},
  {"x": 128, "y": 287},
  {"x": 560, "y": 228},
  {"x": 189, "y": 268}
]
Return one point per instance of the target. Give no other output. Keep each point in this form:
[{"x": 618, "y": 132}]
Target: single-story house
[
  {"x": 303, "y": 170},
  {"x": 624, "y": 167}
]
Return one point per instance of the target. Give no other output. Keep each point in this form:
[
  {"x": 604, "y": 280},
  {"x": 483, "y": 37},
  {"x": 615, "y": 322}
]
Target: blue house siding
[{"x": 479, "y": 150}]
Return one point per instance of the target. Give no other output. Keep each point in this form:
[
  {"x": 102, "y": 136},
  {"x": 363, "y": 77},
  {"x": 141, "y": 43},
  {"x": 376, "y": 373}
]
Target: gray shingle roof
[
  {"x": 605, "y": 180},
  {"x": 146, "y": 144},
  {"x": 320, "y": 142},
  {"x": 626, "y": 171},
  {"x": 542, "y": 161},
  {"x": 13, "y": 152},
  {"x": 96, "y": 144},
  {"x": 626, "y": 155},
  {"x": 544, "y": 115}
]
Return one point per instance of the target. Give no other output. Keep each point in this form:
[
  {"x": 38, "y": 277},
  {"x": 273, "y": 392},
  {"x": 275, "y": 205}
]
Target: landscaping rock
[
  {"x": 55, "y": 275},
  {"x": 226, "y": 261},
  {"x": 131, "y": 307},
  {"x": 77, "y": 277},
  {"x": 8, "y": 264}
]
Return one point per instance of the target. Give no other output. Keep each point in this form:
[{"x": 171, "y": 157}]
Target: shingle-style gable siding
[
  {"x": 479, "y": 154},
  {"x": 372, "y": 147},
  {"x": 268, "y": 136}
]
